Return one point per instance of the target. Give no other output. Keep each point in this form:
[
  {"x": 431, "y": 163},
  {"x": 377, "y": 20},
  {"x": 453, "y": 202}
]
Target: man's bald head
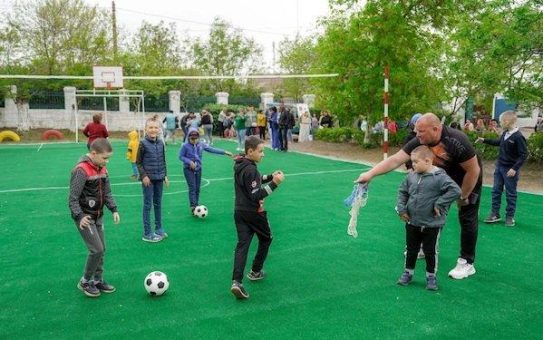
[
  {"x": 430, "y": 119},
  {"x": 428, "y": 128}
]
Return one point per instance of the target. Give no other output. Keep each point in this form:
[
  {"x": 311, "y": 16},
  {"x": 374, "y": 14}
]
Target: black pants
[
  {"x": 283, "y": 134},
  {"x": 428, "y": 237},
  {"x": 262, "y": 132},
  {"x": 247, "y": 224},
  {"x": 468, "y": 216}
]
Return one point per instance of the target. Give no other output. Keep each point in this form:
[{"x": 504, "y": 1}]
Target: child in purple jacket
[{"x": 191, "y": 156}]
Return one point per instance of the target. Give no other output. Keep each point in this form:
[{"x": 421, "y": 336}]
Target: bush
[
  {"x": 334, "y": 135},
  {"x": 535, "y": 147},
  {"x": 485, "y": 151}
]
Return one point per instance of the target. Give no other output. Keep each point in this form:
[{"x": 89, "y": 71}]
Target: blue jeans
[
  {"x": 241, "y": 138},
  {"x": 501, "y": 180},
  {"x": 152, "y": 194},
  {"x": 193, "y": 178}
]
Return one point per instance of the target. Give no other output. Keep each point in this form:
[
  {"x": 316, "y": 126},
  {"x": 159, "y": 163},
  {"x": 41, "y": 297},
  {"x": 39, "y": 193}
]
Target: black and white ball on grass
[
  {"x": 200, "y": 211},
  {"x": 156, "y": 283}
]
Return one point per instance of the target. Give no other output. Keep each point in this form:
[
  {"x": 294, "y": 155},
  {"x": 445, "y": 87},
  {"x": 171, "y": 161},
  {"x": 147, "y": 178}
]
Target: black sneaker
[
  {"x": 88, "y": 288},
  {"x": 255, "y": 276},
  {"x": 431, "y": 282},
  {"x": 238, "y": 290},
  {"x": 493, "y": 218},
  {"x": 104, "y": 287}
]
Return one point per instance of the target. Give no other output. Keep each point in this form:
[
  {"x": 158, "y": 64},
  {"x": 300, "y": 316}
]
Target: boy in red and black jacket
[
  {"x": 89, "y": 192},
  {"x": 251, "y": 188}
]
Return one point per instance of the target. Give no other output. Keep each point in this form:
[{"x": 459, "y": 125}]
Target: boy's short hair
[
  {"x": 101, "y": 145},
  {"x": 252, "y": 142},
  {"x": 422, "y": 151},
  {"x": 510, "y": 116}
]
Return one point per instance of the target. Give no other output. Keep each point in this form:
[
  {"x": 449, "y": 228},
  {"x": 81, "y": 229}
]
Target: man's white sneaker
[{"x": 462, "y": 270}]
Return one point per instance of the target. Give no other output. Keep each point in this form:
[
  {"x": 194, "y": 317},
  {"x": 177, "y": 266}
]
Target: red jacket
[{"x": 94, "y": 130}]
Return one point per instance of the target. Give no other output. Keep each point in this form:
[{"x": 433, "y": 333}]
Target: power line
[{"x": 195, "y": 22}]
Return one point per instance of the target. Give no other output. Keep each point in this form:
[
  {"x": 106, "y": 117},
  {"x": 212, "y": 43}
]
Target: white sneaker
[{"x": 462, "y": 270}]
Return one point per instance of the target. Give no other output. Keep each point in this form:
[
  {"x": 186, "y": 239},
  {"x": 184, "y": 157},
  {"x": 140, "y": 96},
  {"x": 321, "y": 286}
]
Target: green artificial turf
[{"x": 321, "y": 283}]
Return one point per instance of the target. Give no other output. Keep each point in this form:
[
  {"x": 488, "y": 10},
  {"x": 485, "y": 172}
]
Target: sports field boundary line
[{"x": 138, "y": 183}]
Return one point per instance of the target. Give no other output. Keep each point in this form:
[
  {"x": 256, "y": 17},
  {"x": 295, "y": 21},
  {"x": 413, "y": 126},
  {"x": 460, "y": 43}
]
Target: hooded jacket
[
  {"x": 133, "y": 144},
  {"x": 193, "y": 152},
  {"x": 89, "y": 190},
  {"x": 250, "y": 187},
  {"x": 419, "y": 194}
]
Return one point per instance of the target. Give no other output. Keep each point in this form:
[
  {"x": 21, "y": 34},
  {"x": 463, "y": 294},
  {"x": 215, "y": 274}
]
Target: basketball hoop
[{"x": 107, "y": 77}]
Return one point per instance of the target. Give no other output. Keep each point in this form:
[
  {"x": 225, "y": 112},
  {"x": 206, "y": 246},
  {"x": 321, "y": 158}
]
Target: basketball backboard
[{"x": 107, "y": 76}]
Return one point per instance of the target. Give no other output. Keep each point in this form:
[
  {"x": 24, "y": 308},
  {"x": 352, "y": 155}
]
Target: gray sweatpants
[{"x": 94, "y": 239}]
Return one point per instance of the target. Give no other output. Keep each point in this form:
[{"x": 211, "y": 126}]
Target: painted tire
[
  {"x": 52, "y": 133},
  {"x": 9, "y": 135}
]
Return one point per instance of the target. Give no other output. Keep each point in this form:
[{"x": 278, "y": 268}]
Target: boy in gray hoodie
[{"x": 424, "y": 198}]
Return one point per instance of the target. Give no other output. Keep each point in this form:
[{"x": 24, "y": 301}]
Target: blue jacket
[
  {"x": 513, "y": 151},
  {"x": 193, "y": 152},
  {"x": 151, "y": 160}
]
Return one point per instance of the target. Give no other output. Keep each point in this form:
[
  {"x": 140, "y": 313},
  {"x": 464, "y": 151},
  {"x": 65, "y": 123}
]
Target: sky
[{"x": 265, "y": 21}]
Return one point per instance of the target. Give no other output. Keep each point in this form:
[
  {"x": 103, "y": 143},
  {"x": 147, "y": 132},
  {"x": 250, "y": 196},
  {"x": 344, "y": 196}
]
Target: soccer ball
[
  {"x": 156, "y": 283},
  {"x": 200, "y": 211}
]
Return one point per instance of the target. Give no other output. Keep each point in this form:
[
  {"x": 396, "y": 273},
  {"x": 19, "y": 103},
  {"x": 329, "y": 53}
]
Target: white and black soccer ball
[
  {"x": 200, "y": 211},
  {"x": 156, "y": 283}
]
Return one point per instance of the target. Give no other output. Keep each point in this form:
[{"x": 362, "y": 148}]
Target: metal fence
[
  {"x": 46, "y": 100},
  {"x": 55, "y": 100}
]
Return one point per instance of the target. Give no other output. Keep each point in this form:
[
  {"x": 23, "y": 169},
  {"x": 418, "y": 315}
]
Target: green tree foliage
[
  {"x": 296, "y": 57},
  {"x": 359, "y": 43},
  {"x": 61, "y": 36},
  {"x": 225, "y": 53},
  {"x": 498, "y": 47}
]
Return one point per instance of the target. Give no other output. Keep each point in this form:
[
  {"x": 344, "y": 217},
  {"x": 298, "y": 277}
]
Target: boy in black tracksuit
[{"x": 251, "y": 188}]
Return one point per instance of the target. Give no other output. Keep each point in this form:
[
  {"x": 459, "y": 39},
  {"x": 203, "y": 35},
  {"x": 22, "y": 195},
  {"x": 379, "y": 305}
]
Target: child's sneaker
[
  {"x": 104, "y": 287},
  {"x": 88, "y": 288},
  {"x": 509, "y": 221},
  {"x": 405, "y": 278},
  {"x": 153, "y": 238},
  {"x": 238, "y": 290},
  {"x": 161, "y": 233},
  {"x": 431, "y": 282},
  {"x": 255, "y": 276},
  {"x": 493, "y": 218}
]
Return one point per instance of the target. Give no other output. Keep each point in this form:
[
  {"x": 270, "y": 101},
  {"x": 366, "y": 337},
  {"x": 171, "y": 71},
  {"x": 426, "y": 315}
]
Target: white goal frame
[{"x": 140, "y": 94}]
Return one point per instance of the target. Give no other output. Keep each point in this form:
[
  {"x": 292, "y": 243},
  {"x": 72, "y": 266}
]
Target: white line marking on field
[{"x": 203, "y": 179}]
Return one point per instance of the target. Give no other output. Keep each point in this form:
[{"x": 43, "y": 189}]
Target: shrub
[
  {"x": 334, "y": 135},
  {"x": 535, "y": 147}
]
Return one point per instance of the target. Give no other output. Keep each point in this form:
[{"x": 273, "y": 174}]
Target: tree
[
  {"x": 296, "y": 57},
  {"x": 499, "y": 48},
  {"x": 359, "y": 43},
  {"x": 226, "y": 53},
  {"x": 61, "y": 35}
]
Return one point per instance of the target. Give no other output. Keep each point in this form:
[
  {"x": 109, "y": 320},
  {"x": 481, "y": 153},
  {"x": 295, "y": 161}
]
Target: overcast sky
[{"x": 265, "y": 21}]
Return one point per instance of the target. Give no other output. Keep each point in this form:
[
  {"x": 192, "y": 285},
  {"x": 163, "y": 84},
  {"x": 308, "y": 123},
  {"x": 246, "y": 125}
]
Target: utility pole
[{"x": 114, "y": 27}]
